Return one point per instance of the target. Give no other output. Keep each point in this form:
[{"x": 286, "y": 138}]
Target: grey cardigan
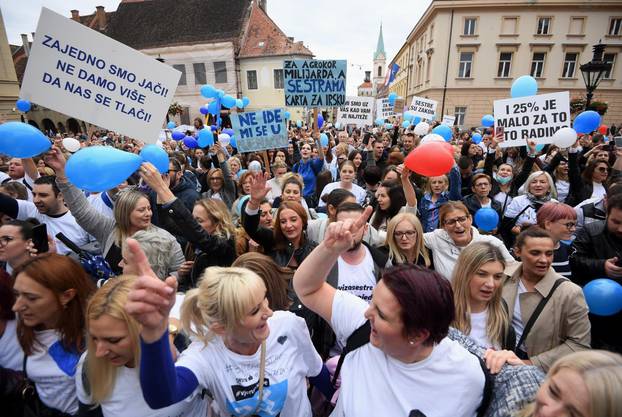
[{"x": 103, "y": 228}]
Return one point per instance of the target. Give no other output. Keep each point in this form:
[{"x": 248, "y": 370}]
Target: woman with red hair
[{"x": 560, "y": 220}]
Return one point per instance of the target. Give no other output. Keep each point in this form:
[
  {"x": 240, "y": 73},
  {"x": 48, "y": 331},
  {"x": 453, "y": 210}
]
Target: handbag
[{"x": 33, "y": 406}]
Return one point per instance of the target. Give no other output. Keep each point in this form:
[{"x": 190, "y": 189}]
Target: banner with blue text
[
  {"x": 260, "y": 130},
  {"x": 80, "y": 72},
  {"x": 315, "y": 83}
]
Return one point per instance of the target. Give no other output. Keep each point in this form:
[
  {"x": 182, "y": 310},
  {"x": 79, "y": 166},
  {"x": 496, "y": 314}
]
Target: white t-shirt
[
  {"x": 359, "y": 193},
  {"x": 97, "y": 201},
  {"x": 478, "y": 329},
  {"x": 360, "y": 279},
  {"x": 65, "y": 223},
  {"x": 233, "y": 378},
  {"x": 275, "y": 189},
  {"x": 562, "y": 188},
  {"x": 11, "y": 354},
  {"x": 598, "y": 190},
  {"x": 449, "y": 382},
  {"x": 517, "y": 319},
  {"x": 53, "y": 369},
  {"x": 126, "y": 398}
]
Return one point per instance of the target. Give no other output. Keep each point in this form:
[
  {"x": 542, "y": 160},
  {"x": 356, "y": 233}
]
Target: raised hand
[
  {"x": 151, "y": 299},
  {"x": 55, "y": 159},
  {"x": 259, "y": 188},
  {"x": 339, "y": 236}
]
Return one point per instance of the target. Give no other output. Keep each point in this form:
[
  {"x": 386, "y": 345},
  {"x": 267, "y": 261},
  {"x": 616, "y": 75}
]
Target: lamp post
[{"x": 593, "y": 71}]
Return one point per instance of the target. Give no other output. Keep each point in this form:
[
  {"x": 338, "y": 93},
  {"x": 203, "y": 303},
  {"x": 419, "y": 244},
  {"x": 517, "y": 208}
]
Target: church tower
[{"x": 380, "y": 63}]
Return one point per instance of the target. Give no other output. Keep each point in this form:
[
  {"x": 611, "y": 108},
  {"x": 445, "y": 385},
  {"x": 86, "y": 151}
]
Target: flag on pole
[{"x": 393, "y": 69}]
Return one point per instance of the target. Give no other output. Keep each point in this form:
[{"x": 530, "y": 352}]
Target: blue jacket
[
  {"x": 428, "y": 211},
  {"x": 309, "y": 170}
]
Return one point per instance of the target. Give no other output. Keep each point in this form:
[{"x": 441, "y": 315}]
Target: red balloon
[
  {"x": 430, "y": 159},
  {"x": 603, "y": 129}
]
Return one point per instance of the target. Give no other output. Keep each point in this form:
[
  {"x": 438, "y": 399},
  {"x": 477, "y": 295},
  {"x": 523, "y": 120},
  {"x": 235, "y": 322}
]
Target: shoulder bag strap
[
  {"x": 357, "y": 339},
  {"x": 536, "y": 313},
  {"x": 262, "y": 372}
]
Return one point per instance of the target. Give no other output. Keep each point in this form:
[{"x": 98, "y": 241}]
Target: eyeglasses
[
  {"x": 216, "y": 178},
  {"x": 482, "y": 184},
  {"x": 452, "y": 222},
  {"x": 172, "y": 171},
  {"x": 407, "y": 233},
  {"x": 341, "y": 159},
  {"x": 570, "y": 225},
  {"x": 602, "y": 169},
  {"x": 4, "y": 240}
]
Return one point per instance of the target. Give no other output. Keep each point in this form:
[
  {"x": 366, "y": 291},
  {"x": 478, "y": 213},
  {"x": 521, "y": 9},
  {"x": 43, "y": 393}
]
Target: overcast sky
[{"x": 330, "y": 28}]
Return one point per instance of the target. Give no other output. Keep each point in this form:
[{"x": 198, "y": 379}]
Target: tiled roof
[
  {"x": 366, "y": 84},
  {"x": 264, "y": 38}
]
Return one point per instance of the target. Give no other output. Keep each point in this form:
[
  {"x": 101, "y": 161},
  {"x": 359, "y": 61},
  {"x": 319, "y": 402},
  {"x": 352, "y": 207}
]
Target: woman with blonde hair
[
  {"x": 220, "y": 182},
  {"x": 586, "y": 384},
  {"x": 404, "y": 241},
  {"x": 239, "y": 341},
  {"x": 481, "y": 313},
  {"x": 108, "y": 373}
]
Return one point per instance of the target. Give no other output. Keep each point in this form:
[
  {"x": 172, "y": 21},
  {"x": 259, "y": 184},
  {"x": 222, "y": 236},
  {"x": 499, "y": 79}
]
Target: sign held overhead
[
  {"x": 80, "y": 72},
  {"x": 259, "y": 130},
  {"x": 315, "y": 83},
  {"x": 423, "y": 107},
  {"x": 356, "y": 111}
]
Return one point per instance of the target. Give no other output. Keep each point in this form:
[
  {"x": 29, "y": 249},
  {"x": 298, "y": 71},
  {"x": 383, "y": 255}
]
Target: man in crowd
[{"x": 408, "y": 142}]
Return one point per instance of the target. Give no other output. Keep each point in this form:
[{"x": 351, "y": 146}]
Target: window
[
  {"x": 431, "y": 32},
  {"x": 278, "y": 78},
  {"x": 251, "y": 79},
  {"x": 379, "y": 71},
  {"x": 577, "y": 25},
  {"x": 460, "y": 114},
  {"x": 615, "y": 26},
  {"x": 466, "y": 61},
  {"x": 428, "y": 67},
  {"x": 199, "y": 73},
  {"x": 570, "y": 64},
  {"x": 469, "y": 26},
  {"x": 505, "y": 62},
  {"x": 220, "y": 70},
  {"x": 185, "y": 116},
  {"x": 537, "y": 64},
  {"x": 509, "y": 26},
  {"x": 544, "y": 26},
  {"x": 181, "y": 68},
  {"x": 611, "y": 59}
]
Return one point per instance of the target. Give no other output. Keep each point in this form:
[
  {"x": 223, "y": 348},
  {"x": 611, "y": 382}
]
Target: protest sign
[
  {"x": 315, "y": 83},
  {"x": 423, "y": 107},
  {"x": 384, "y": 109},
  {"x": 259, "y": 130},
  {"x": 534, "y": 118},
  {"x": 448, "y": 120},
  {"x": 80, "y": 72},
  {"x": 357, "y": 111}
]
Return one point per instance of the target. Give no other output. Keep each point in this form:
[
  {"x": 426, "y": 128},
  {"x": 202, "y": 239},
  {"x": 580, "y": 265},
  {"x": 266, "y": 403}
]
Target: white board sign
[
  {"x": 423, "y": 107},
  {"x": 356, "y": 111},
  {"x": 80, "y": 72},
  {"x": 384, "y": 110},
  {"x": 534, "y": 118},
  {"x": 448, "y": 120}
]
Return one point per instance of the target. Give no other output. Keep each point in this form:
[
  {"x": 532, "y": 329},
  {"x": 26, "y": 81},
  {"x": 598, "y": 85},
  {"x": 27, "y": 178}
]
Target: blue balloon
[
  {"x": 246, "y": 101},
  {"x": 23, "y": 105},
  {"x": 388, "y": 126},
  {"x": 488, "y": 120},
  {"x": 190, "y": 142},
  {"x": 241, "y": 202},
  {"x": 213, "y": 128},
  {"x": 220, "y": 94},
  {"x": 213, "y": 108},
  {"x": 178, "y": 135},
  {"x": 444, "y": 131},
  {"x": 486, "y": 219},
  {"x": 298, "y": 124},
  {"x": 379, "y": 121},
  {"x": 287, "y": 115},
  {"x": 239, "y": 103},
  {"x": 320, "y": 121},
  {"x": 539, "y": 147},
  {"x": 405, "y": 124},
  {"x": 324, "y": 140},
  {"x": 170, "y": 125},
  {"x": 228, "y": 101},
  {"x": 408, "y": 115},
  {"x": 206, "y": 138},
  {"x": 233, "y": 142},
  {"x": 204, "y": 111},
  {"x": 603, "y": 297},
  {"x": 586, "y": 122},
  {"x": 157, "y": 156},
  {"x": 229, "y": 132},
  {"x": 392, "y": 98},
  {"x": 524, "y": 86},
  {"x": 208, "y": 91},
  {"x": 476, "y": 138},
  {"x": 416, "y": 120},
  {"x": 100, "y": 168},
  {"x": 21, "y": 140}
]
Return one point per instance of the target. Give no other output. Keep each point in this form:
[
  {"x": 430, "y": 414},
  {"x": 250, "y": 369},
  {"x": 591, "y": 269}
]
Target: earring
[{"x": 411, "y": 342}]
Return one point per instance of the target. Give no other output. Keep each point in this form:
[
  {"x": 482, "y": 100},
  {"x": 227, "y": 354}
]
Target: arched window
[{"x": 379, "y": 71}]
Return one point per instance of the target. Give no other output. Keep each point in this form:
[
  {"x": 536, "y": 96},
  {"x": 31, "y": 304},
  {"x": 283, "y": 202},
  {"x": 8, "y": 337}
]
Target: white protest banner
[
  {"x": 423, "y": 107},
  {"x": 80, "y": 72},
  {"x": 259, "y": 130},
  {"x": 384, "y": 110},
  {"x": 356, "y": 111},
  {"x": 314, "y": 82},
  {"x": 448, "y": 120},
  {"x": 534, "y": 118}
]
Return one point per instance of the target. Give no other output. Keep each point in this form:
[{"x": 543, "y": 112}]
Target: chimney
[
  {"x": 100, "y": 15},
  {"x": 290, "y": 38},
  {"x": 367, "y": 76},
  {"x": 75, "y": 15},
  {"x": 25, "y": 44}
]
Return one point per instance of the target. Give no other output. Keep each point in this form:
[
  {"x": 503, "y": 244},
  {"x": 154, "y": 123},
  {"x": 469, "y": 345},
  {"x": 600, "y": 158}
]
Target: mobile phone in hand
[
  {"x": 618, "y": 141},
  {"x": 499, "y": 133},
  {"x": 40, "y": 238}
]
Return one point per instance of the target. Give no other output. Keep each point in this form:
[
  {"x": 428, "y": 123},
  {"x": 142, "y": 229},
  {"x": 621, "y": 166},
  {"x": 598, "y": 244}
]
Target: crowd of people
[{"x": 313, "y": 280}]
